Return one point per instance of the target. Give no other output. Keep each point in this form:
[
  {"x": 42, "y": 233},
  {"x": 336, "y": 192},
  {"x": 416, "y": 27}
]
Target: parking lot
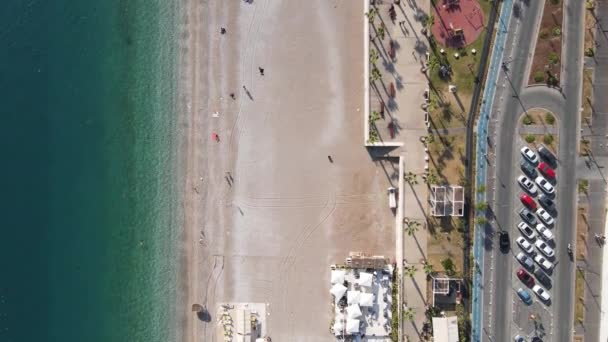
[{"x": 533, "y": 241}]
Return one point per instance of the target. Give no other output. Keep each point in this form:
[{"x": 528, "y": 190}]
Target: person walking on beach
[{"x": 261, "y": 71}]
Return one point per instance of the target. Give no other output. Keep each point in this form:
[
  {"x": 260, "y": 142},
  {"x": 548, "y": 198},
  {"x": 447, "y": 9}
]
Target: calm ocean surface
[{"x": 88, "y": 243}]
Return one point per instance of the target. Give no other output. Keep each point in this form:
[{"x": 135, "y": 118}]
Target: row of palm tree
[{"x": 412, "y": 178}]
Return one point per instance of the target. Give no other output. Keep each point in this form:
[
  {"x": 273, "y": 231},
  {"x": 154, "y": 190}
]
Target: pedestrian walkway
[{"x": 537, "y": 129}]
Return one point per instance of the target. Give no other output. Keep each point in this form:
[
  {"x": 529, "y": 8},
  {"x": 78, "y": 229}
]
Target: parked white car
[
  {"x": 545, "y": 249},
  {"x": 530, "y": 155},
  {"x": 526, "y": 230},
  {"x": 541, "y": 293},
  {"x": 544, "y": 232},
  {"x": 543, "y": 262},
  {"x": 527, "y": 184},
  {"x": 545, "y": 185},
  {"x": 545, "y": 216},
  {"x": 524, "y": 244}
]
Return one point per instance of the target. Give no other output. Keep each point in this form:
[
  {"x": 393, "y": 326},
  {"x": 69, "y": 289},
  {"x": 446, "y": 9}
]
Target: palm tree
[
  {"x": 411, "y": 227},
  {"x": 381, "y": 31},
  {"x": 371, "y": 15},
  {"x": 373, "y": 56},
  {"x": 375, "y": 75},
  {"x": 428, "y": 268},
  {"x": 432, "y": 178},
  {"x": 373, "y": 117},
  {"x": 411, "y": 178},
  {"x": 409, "y": 314},
  {"x": 410, "y": 271}
]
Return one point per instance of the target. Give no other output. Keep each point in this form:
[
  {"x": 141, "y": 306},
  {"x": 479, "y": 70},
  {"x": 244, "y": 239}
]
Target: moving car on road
[
  {"x": 544, "y": 232},
  {"x": 546, "y": 170},
  {"x": 524, "y": 245},
  {"x": 545, "y": 217},
  {"x": 528, "y": 201},
  {"x": 530, "y": 155},
  {"x": 525, "y": 260},
  {"x": 545, "y": 249},
  {"x": 544, "y": 185},
  {"x": 504, "y": 240},
  {"x": 547, "y": 203},
  {"x": 526, "y": 230},
  {"x": 541, "y": 293},
  {"x": 524, "y": 295},
  {"x": 527, "y": 184},
  {"x": 543, "y": 262},
  {"x": 527, "y": 216},
  {"x": 525, "y": 277}
]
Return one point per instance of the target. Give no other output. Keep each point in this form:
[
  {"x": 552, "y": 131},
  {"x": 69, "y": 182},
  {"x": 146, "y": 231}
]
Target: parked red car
[
  {"x": 546, "y": 170},
  {"x": 525, "y": 277},
  {"x": 527, "y": 201}
]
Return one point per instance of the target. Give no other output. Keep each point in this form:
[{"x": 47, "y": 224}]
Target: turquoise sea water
[{"x": 88, "y": 243}]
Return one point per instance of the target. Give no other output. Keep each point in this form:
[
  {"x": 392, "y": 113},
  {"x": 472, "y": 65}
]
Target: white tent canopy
[
  {"x": 354, "y": 311},
  {"x": 337, "y": 277},
  {"x": 338, "y": 327},
  {"x": 365, "y": 279},
  {"x": 353, "y": 297},
  {"x": 338, "y": 291},
  {"x": 366, "y": 299},
  {"x": 352, "y": 326}
]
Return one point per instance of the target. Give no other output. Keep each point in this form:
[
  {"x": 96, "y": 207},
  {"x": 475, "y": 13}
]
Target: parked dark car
[
  {"x": 547, "y": 203},
  {"x": 545, "y": 154},
  {"x": 528, "y": 216},
  {"x": 528, "y": 169},
  {"x": 542, "y": 277}
]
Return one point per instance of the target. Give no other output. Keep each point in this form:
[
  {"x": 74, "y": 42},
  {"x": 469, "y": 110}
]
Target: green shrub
[
  {"x": 448, "y": 266},
  {"x": 544, "y": 34},
  {"x": 553, "y": 58},
  {"x": 549, "y": 118},
  {"x": 589, "y": 52},
  {"x": 548, "y": 139},
  {"x": 539, "y": 76},
  {"x": 557, "y": 31},
  {"x": 530, "y": 138},
  {"x": 555, "y": 2},
  {"x": 528, "y": 120}
]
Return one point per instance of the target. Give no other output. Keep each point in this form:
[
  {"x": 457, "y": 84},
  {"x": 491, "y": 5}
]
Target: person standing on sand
[{"x": 261, "y": 71}]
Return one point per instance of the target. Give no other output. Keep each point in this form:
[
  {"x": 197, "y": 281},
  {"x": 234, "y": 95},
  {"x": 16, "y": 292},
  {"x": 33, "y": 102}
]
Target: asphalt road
[{"x": 513, "y": 98}]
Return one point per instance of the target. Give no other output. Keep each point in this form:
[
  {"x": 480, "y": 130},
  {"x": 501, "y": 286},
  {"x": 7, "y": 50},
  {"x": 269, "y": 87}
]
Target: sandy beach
[{"x": 265, "y": 211}]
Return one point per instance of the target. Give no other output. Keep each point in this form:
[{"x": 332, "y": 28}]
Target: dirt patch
[
  {"x": 582, "y": 228},
  {"x": 445, "y": 240},
  {"x": 579, "y": 295},
  {"x": 587, "y": 97},
  {"x": 546, "y": 63},
  {"x": 590, "y": 23},
  {"x": 447, "y": 155}
]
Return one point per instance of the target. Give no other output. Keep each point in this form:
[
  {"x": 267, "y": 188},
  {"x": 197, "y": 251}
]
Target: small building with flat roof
[{"x": 445, "y": 329}]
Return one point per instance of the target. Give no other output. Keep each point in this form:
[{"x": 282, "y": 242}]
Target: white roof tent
[
  {"x": 445, "y": 329},
  {"x": 365, "y": 279},
  {"x": 438, "y": 201},
  {"x": 338, "y": 291},
  {"x": 337, "y": 276}
]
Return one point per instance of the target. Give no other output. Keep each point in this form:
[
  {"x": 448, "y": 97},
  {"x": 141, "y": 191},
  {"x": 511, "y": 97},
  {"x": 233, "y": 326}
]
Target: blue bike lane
[{"x": 481, "y": 164}]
